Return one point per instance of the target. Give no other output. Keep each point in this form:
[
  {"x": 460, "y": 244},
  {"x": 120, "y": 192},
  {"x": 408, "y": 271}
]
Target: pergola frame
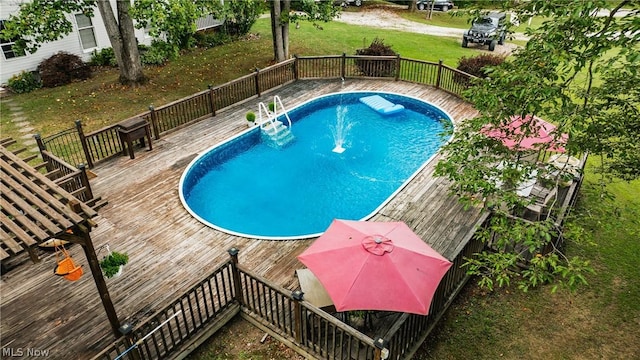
[{"x": 34, "y": 209}]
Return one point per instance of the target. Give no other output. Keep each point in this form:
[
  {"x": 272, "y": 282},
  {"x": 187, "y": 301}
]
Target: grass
[
  {"x": 598, "y": 321},
  {"x": 101, "y": 101}
]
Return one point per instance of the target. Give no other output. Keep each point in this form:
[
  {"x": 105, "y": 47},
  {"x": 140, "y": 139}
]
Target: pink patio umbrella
[
  {"x": 543, "y": 133},
  {"x": 375, "y": 266}
]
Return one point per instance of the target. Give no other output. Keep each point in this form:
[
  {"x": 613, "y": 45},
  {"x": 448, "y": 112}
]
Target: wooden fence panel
[
  {"x": 422, "y": 72},
  {"x": 329, "y": 338},
  {"x": 276, "y": 75},
  {"x": 66, "y": 144},
  {"x": 320, "y": 333},
  {"x": 181, "y": 112},
  {"x": 453, "y": 80},
  {"x": 72, "y": 180},
  {"x": 103, "y": 144},
  {"x": 268, "y": 303},
  {"x": 320, "y": 67},
  {"x": 235, "y": 91},
  {"x": 371, "y": 66}
]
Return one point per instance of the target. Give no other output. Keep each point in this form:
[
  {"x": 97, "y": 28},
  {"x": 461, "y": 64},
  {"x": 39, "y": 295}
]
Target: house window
[
  {"x": 7, "y": 45},
  {"x": 85, "y": 29}
]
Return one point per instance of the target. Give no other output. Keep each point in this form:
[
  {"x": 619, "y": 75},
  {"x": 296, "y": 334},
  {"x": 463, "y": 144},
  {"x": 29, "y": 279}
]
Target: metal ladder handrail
[
  {"x": 271, "y": 118},
  {"x": 276, "y": 100}
]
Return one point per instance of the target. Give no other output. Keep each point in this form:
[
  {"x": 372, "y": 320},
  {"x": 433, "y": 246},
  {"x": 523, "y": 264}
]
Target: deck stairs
[{"x": 273, "y": 131}]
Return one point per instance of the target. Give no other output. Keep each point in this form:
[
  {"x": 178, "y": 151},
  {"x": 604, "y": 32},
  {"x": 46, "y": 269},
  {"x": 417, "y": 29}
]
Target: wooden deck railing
[
  {"x": 410, "y": 330},
  {"x": 73, "y": 180},
  {"x": 100, "y": 145},
  {"x": 303, "y": 326},
  {"x": 183, "y": 324}
]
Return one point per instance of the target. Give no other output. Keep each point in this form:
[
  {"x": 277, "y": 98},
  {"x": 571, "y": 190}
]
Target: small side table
[{"x": 131, "y": 130}]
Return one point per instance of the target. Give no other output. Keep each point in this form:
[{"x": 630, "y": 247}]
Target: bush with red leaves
[
  {"x": 476, "y": 65},
  {"x": 63, "y": 68},
  {"x": 377, "y": 68}
]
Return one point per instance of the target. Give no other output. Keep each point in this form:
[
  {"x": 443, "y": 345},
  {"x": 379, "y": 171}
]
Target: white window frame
[
  {"x": 82, "y": 29},
  {"x": 7, "y": 47}
]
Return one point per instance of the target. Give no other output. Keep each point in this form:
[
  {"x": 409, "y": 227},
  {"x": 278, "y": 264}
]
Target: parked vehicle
[
  {"x": 345, "y": 3},
  {"x": 442, "y": 5},
  {"x": 489, "y": 30}
]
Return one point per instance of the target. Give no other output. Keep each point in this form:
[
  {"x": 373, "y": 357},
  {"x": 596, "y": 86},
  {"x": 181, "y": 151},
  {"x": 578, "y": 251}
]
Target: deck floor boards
[{"x": 170, "y": 251}]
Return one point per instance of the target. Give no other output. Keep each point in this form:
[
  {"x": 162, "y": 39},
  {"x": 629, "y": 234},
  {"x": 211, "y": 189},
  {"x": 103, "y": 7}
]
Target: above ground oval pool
[{"x": 345, "y": 161}]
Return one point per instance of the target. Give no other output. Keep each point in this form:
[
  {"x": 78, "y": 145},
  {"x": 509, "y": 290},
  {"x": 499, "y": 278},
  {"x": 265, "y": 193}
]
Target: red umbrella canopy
[
  {"x": 376, "y": 266},
  {"x": 513, "y": 135}
]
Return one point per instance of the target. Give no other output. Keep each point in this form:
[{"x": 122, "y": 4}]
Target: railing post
[
  {"x": 154, "y": 122},
  {"x": 43, "y": 148},
  {"x": 439, "y": 74},
  {"x": 212, "y": 100},
  {"x": 83, "y": 142},
  {"x": 257, "y": 77},
  {"x": 85, "y": 182},
  {"x": 125, "y": 330},
  {"x": 297, "y": 296},
  {"x": 397, "y": 67},
  {"x": 381, "y": 349},
  {"x": 237, "y": 284},
  {"x": 295, "y": 67},
  {"x": 343, "y": 66}
]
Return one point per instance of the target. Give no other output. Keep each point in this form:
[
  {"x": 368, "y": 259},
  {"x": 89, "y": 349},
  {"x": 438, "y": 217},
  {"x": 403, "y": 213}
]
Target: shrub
[
  {"x": 104, "y": 57},
  {"x": 62, "y": 68},
  {"x": 251, "y": 116},
  {"x": 24, "y": 82},
  {"x": 156, "y": 54},
  {"x": 376, "y": 68},
  {"x": 476, "y": 65},
  {"x": 212, "y": 39}
]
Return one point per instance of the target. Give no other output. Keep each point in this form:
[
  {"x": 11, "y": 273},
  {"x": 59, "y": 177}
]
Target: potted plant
[
  {"x": 251, "y": 118},
  {"x": 112, "y": 264}
]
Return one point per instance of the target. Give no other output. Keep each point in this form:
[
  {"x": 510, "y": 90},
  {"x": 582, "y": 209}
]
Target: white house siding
[{"x": 70, "y": 43}]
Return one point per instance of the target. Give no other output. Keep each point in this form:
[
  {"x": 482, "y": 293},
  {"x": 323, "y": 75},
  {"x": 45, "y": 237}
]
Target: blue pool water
[{"x": 246, "y": 187}]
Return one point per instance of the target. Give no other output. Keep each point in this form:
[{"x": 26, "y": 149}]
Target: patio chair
[
  {"x": 66, "y": 267},
  {"x": 543, "y": 200}
]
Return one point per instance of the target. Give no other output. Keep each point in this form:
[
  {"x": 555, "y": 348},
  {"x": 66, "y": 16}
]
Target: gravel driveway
[{"x": 390, "y": 20}]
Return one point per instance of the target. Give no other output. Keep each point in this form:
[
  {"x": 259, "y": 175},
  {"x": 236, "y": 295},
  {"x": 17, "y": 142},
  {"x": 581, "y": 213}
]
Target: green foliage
[
  {"x": 272, "y": 106},
  {"x": 24, "y": 82},
  {"x": 569, "y": 74},
  {"x": 212, "y": 39},
  {"x": 41, "y": 21},
  {"x": 239, "y": 16},
  {"x": 156, "y": 54},
  {"x": 251, "y": 116},
  {"x": 175, "y": 19},
  {"x": 104, "y": 57},
  {"x": 111, "y": 263},
  {"x": 63, "y": 68}
]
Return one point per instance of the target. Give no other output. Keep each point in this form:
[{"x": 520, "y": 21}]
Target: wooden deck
[{"x": 169, "y": 250}]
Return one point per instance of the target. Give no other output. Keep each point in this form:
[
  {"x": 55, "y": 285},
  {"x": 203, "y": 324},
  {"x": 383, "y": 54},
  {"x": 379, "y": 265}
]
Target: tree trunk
[
  {"x": 277, "y": 36},
  {"x": 412, "y": 5},
  {"x": 280, "y": 30},
  {"x": 123, "y": 41},
  {"x": 285, "y": 30}
]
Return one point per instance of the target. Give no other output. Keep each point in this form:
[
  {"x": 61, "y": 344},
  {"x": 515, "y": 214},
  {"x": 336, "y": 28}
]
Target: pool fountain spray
[{"x": 341, "y": 129}]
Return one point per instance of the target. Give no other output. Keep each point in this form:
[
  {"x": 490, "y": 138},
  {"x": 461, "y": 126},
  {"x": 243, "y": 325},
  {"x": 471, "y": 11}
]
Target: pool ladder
[{"x": 278, "y": 133}]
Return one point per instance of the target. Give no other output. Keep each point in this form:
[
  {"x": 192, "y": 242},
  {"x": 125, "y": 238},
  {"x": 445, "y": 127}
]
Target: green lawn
[
  {"x": 101, "y": 101},
  {"x": 601, "y": 321}
]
